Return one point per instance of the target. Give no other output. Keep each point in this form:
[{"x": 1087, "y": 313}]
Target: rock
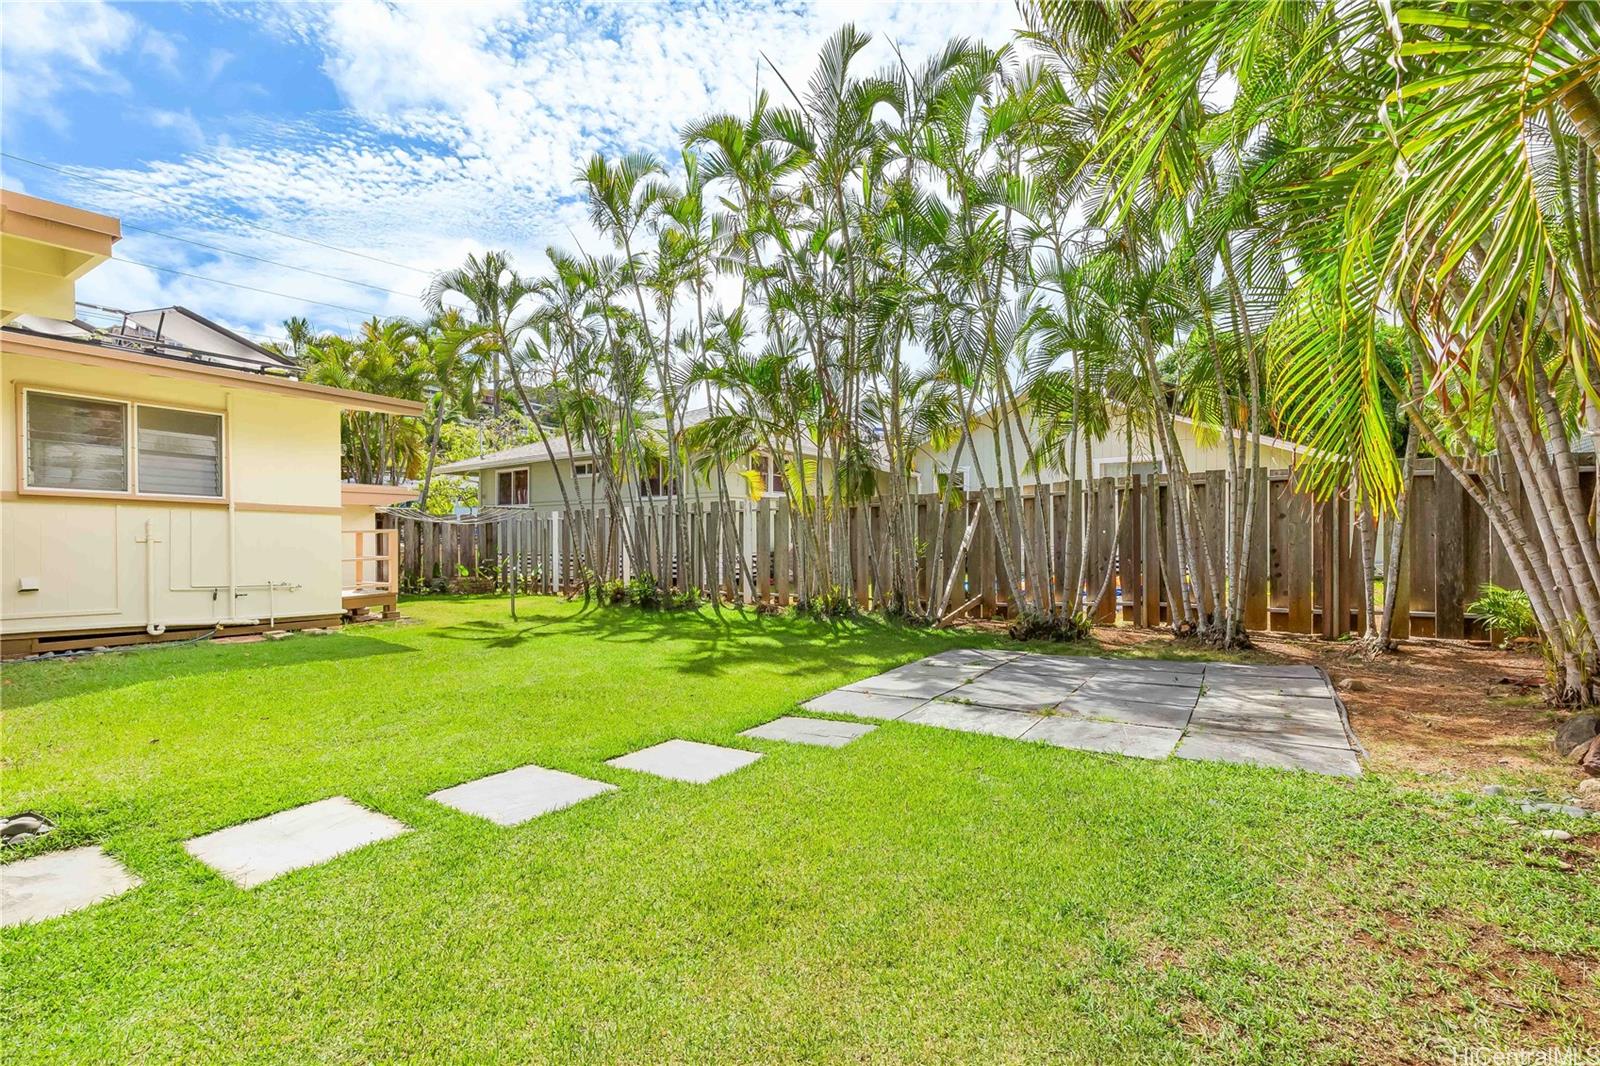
[
  {"x": 1555, "y": 808},
  {"x": 1579, "y": 729},
  {"x": 276, "y": 634},
  {"x": 1589, "y": 758},
  {"x": 20, "y": 828},
  {"x": 1589, "y": 794},
  {"x": 1555, "y": 834},
  {"x": 1352, "y": 684},
  {"x": 1494, "y": 790}
]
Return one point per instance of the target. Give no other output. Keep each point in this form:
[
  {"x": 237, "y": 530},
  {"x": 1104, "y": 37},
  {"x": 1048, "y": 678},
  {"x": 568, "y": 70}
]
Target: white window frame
[
  {"x": 130, "y": 444},
  {"x": 773, "y": 471},
  {"x": 512, "y": 472},
  {"x": 583, "y": 468}
]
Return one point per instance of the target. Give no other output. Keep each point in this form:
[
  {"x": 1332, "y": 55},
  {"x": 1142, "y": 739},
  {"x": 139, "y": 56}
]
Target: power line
[
  {"x": 215, "y": 214},
  {"x": 270, "y": 262},
  {"x": 238, "y": 285}
]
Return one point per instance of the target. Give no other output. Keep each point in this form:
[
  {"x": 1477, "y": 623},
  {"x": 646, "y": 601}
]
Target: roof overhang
[
  {"x": 355, "y": 494},
  {"x": 45, "y": 247},
  {"x": 95, "y": 355}
]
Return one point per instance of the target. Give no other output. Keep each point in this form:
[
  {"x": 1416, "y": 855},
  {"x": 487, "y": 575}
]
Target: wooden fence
[{"x": 1308, "y": 580}]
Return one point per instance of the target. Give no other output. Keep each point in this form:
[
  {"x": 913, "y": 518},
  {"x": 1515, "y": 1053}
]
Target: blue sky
[{"x": 410, "y": 133}]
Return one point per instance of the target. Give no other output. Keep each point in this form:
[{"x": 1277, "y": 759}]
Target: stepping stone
[
  {"x": 994, "y": 721},
  {"x": 1170, "y": 715},
  {"x": 516, "y": 796},
  {"x": 686, "y": 760},
  {"x": 1110, "y": 738},
  {"x": 1277, "y": 753},
  {"x": 59, "y": 882},
  {"x": 1107, "y": 688},
  {"x": 863, "y": 704},
  {"x": 252, "y": 853},
  {"x": 823, "y": 732}
]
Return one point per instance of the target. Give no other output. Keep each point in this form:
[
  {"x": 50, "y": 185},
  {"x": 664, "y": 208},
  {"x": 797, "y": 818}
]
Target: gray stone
[
  {"x": 515, "y": 796},
  {"x": 863, "y": 704},
  {"x": 1269, "y": 751},
  {"x": 1494, "y": 790},
  {"x": 1568, "y": 809},
  {"x": 994, "y": 721},
  {"x": 686, "y": 760},
  {"x": 824, "y": 732},
  {"x": 1555, "y": 834},
  {"x": 1579, "y": 729},
  {"x": 1173, "y": 715},
  {"x": 1112, "y": 738},
  {"x": 48, "y": 886},
  {"x": 255, "y": 852}
]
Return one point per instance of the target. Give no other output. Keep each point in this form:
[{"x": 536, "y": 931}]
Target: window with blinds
[
  {"x": 180, "y": 452},
  {"x": 76, "y": 443}
]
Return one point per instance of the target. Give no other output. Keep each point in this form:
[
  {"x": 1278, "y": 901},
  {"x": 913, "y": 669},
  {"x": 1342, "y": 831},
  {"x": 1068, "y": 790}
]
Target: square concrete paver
[
  {"x": 863, "y": 704},
  {"x": 1017, "y": 687},
  {"x": 253, "y": 853},
  {"x": 1110, "y": 738},
  {"x": 1154, "y": 674},
  {"x": 922, "y": 684},
  {"x": 968, "y": 719},
  {"x": 1269, "y": 687},
  {"x": 1178, "y": 695},
  {"x": 1171, "y": 715},
  {"x": 516, "y": 796},
  {"x": 1276, "y": 752},
  {"x": 686, "y": 760},
  {"x": 1217, "y": 671},
  {"x": 823, "y": 732},
  {"x": 1306, "y": 728},
  {"x": 59, "y": 882}
]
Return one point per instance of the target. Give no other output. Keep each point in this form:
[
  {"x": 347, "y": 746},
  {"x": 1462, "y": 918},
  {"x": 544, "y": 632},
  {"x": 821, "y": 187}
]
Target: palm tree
[{"x": 495, "y": 293}]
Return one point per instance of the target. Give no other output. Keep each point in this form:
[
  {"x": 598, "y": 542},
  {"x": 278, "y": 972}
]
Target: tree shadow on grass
[
  {"x": 703, "y": 642},
  {"x": 34, "y": 682}
]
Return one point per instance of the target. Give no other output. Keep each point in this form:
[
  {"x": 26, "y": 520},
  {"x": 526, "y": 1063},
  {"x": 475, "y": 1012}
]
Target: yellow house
[{"x": 152, "y": 489}]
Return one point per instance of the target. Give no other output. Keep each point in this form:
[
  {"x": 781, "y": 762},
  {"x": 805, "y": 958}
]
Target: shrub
[
  {"x": 1504, "y": 611},
  {"x": 1047, "y": 627}
]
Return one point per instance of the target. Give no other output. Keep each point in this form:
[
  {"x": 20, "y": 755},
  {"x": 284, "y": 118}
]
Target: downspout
[{"x": 227, "y": 474}]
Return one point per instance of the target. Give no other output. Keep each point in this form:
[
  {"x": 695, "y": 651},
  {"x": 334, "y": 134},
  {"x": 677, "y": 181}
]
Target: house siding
[{"x": 88, "y": 555}]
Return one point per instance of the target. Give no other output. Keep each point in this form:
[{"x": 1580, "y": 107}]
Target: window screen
[
  {"x": 180, "y": 452},
  {"x": 74, "y": 443}
]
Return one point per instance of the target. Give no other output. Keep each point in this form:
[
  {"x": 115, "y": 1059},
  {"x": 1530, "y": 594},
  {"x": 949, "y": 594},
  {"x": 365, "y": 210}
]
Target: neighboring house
[
  {"x": 166, "y": 477},
  {"x": 524, "y": 477},
  {"x": 1203, "y": 449}
]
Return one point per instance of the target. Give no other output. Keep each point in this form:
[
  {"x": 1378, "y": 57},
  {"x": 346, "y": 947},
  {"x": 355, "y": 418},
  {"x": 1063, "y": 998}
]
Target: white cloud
[
  {"x": 464, "y": 128},
  {"x": 47, "y": 48}
]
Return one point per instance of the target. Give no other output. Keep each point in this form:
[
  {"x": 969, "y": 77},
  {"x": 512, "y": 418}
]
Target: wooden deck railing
[{"x": 371, "y": 571}]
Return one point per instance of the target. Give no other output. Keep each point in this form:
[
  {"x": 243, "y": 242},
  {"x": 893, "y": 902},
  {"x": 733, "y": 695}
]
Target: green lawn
[{"x": 919, "y": 894}]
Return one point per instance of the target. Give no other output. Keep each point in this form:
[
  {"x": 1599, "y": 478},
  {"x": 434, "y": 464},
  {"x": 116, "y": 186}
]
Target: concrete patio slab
[
  {"x": 863, "y": 704},
  {"x": 516, "y": 796},
  {"x": 1148, "y": 675},
  {"x": 59, "y": 882},
  {"x": 823, "y": 732},
  {"x": 983, "y": 657},
  {"x": 924, "y": 685},
  {"x": 1017, "y": 687},
  {"x": 993, "y": 721},
  {"x": 1062, "y": 665},
  {"x": 686, "y": 760},
  {"x": 1131, "y": 712},
  {"x": 1111, "y": 738},
  {"x": 1268, "y": 687},
  {"x": 1317, "y": 707},
  {"x": 1115, "y": 689},
  {"x": 252, "y": 853},
  {"x": 1307, "y": 729},
  {"x": 1275, "y": 752},
  {"x": 1221, "y": 670}
]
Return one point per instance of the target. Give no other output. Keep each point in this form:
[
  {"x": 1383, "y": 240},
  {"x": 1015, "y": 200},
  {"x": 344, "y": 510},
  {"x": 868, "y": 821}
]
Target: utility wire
[
  {"x": 249, "y": 288},
  {"x": 215, "y": 214},
  {"x": 270, "y": 262}
]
